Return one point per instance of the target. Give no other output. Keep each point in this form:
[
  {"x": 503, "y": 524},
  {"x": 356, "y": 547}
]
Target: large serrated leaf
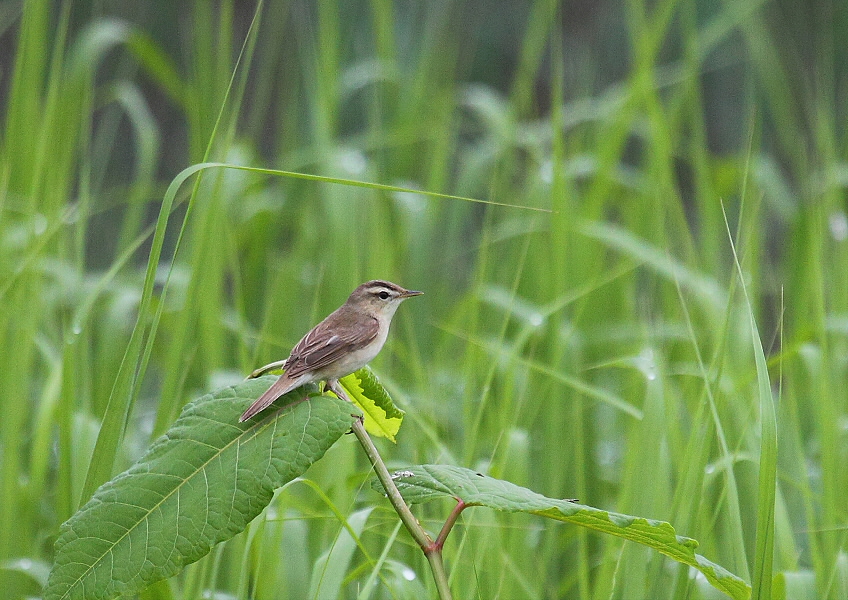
[
  {"x": 199, "y": 484},
  {"x": 382, "y": 417},
  {"x": 428, "y": 482}
]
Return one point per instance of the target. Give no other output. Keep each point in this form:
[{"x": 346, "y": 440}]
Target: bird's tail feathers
[{"x": 282, "y": 386}]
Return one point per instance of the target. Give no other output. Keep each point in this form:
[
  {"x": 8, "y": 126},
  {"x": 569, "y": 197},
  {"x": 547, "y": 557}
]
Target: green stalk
[
  {"x": 418, "y": 534},
  {"x": 432, "y": 550}
]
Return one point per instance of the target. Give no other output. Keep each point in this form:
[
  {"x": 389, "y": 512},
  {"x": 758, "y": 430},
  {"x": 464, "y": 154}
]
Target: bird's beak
[{"x": 410, "y": 293}]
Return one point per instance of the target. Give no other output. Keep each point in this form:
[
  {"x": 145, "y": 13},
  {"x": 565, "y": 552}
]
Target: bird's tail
[{"x": 282, "y": 386}]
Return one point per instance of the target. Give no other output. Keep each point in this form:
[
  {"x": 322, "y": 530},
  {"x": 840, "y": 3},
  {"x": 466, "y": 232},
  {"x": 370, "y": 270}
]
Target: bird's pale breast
[{"x": 355, "y": 360}]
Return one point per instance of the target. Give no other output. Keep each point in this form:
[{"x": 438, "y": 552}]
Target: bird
[{"x": 344, "y": 342}]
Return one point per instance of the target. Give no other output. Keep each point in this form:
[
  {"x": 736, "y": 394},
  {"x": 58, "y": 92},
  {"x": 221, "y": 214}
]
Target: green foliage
[
  {"x": 767, "y": 489},
  {"x": 382, "y": 417},
  {"x": 198, "y": 485},
  {"x": 427, "y": 482},
  {"x": 604, "y": 350},
  {"x": 332, "y": 566}
]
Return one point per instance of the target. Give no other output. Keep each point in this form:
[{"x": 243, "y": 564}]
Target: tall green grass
[{"x": 603, "y": 350}]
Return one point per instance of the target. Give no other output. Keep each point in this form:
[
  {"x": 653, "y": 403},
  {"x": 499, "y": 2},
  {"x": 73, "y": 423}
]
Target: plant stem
[
  {"x": 449, "y": 523},
  {"x": 418, "y": 534},
  {"x": 432, "y": 550},
  {"x": 439, "y": 575},
  {"x": 277, "y": 364}
]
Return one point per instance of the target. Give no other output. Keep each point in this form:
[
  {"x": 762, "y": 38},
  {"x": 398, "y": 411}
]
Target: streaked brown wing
[{"x": 327, "y": 342}]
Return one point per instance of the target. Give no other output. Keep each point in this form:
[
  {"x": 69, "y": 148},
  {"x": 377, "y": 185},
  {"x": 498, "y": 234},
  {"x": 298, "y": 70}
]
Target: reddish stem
[{"x": 446, "y": 528}]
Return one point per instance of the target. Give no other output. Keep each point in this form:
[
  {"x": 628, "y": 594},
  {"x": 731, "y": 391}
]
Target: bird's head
[{"x": 380, "y": 298}]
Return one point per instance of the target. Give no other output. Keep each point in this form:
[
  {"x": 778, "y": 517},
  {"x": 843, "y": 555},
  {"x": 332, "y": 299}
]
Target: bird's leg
[
  {"x": 333, "y": 386},
  {"x": 277, "y": 364}
]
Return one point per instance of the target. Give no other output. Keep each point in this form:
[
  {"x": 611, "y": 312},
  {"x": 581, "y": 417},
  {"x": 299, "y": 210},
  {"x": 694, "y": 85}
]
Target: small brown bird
[{"x": 344, "y": 342}]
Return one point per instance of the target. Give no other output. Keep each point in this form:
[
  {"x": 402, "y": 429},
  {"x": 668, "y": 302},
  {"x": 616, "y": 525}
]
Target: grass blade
[{"x": 764, "y": 551}]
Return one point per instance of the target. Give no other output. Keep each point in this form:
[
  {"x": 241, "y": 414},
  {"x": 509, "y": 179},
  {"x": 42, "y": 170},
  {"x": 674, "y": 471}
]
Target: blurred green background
[{"x": 599, "y": 348}]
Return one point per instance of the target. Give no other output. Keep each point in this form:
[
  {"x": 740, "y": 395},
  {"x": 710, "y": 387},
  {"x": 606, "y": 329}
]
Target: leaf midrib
[{"x": 255, "y": 431}]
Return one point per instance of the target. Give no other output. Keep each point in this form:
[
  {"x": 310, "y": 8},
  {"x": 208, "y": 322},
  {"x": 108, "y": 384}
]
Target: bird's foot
[{"x": 333, "y": 386}]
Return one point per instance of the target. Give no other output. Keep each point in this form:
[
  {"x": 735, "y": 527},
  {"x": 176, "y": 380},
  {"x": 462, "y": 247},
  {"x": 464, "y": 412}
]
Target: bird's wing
[{"x": 324, "y": 345}]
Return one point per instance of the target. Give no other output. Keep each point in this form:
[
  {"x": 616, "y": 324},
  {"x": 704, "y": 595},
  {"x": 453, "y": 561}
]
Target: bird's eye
[{"x": 384, "y": 295}]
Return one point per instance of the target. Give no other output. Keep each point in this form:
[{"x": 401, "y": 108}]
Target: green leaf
[
  {"x": 763, "y": 571},
  {"x": 199, "y": 484},
  {"x": 382, "y": 417},
  {"x": 328, "y": 574},
  {"x": 428, "y": 482}
]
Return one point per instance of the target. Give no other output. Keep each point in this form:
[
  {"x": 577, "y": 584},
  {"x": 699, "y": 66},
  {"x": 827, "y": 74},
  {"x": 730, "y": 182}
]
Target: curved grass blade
[
  {"x": 350, "y": 182},
  {"x": 763, "y": 570},
  {"x": 428, "y": 482},
  {"x": 199, "y": 484}
]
